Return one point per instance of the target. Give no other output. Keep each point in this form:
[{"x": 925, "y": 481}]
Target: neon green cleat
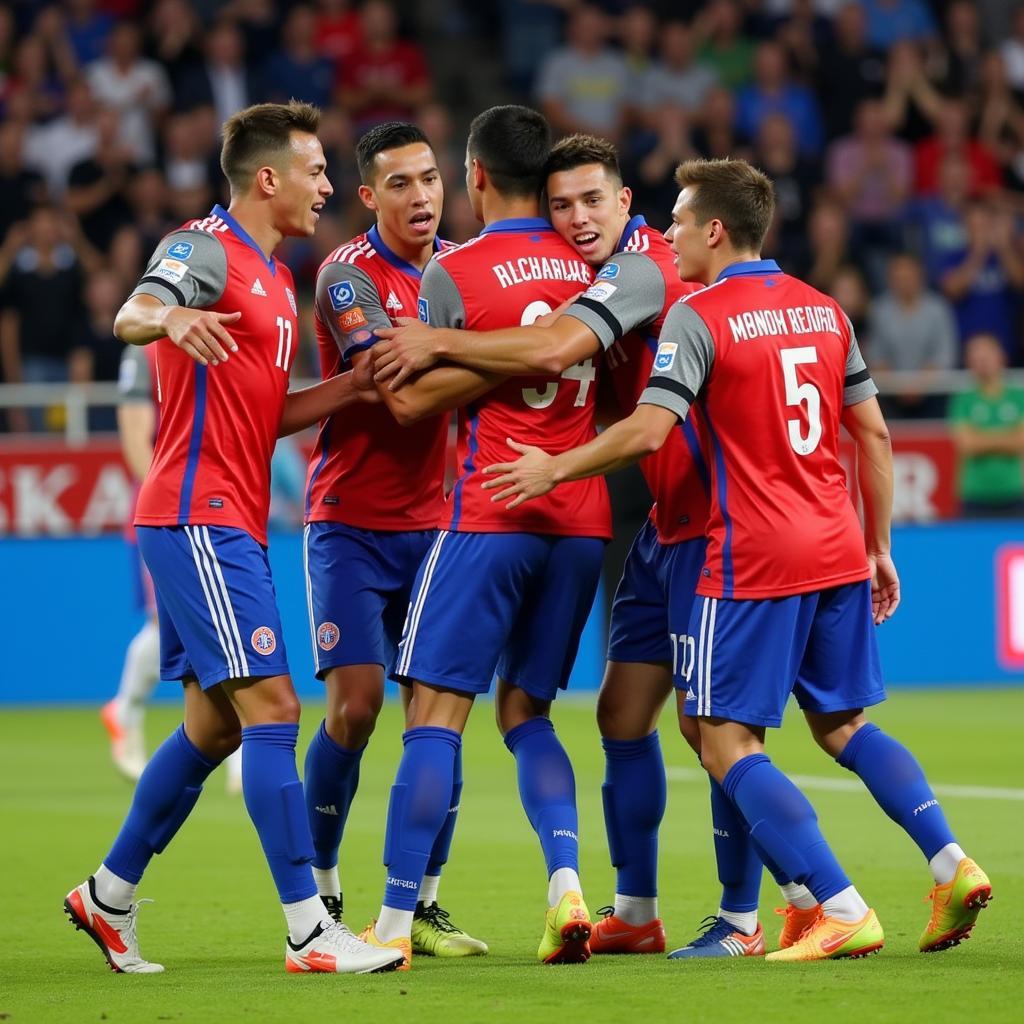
[
  {"x": 955, "y": 907},
  {"x": 567, "y": 931},
  {"x": 832, "y": 939},
  {"x": 433, "y": 934}
]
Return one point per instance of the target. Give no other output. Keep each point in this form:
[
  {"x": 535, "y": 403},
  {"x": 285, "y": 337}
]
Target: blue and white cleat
[{"x": 719, "y": 938}]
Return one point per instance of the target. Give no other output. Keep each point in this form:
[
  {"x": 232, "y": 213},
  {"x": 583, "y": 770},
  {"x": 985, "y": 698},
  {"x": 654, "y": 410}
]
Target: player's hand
[
  {"x": 885, "y": 587},
  {"x": 362, "y": 381},
  {"x": 526, "y": 478},
  {"x": 548, "y": 319},
  {"x": 403, "y": 351},
  {"x": 200, "y": 333}
]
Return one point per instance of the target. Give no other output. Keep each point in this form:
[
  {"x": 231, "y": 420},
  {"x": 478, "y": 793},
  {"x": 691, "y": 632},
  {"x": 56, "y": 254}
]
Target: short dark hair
[
  {"x": 734, "y": 192},
  {"x": 258, "y": 134},
  {"x": 512, "y": 143},
  {"x": 382, "y": 137},
  {"x": 580, "y": 150}
]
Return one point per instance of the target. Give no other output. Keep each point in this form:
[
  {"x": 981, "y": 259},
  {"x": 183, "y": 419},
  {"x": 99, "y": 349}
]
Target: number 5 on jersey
[{"x": 801, "y": 394}]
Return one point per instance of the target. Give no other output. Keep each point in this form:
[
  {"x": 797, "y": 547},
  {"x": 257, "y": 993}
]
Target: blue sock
[
  {"x": 739, "y": 866},
  {"x": 164, "y": 797},
  {"x": 273, "y": 798},
  {"x": 784, "y": 824},
  {"x": 443, "y": 843},
  {"x": 420, "y": 800},
  {"x": 547, "y": 789},
  {"x": 331, "y": 778},
  {"x": 634, "y": 794},
  {"x": 896, "y": 781}
]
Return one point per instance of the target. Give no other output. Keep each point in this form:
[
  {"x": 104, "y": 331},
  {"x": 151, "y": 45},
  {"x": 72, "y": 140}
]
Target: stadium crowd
[{"x": 893, "y": 129}]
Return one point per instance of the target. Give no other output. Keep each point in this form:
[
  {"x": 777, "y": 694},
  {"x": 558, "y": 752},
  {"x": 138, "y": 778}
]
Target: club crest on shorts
[
  {"x": 263, "y": 640},
  {"x": 327, "y": 635}
]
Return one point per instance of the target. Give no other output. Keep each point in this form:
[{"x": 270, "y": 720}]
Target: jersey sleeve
[
  {"x": 629, "y": 291},
  {"x": 857, "y": 383},
  {"x": 187, "y": 268},
  {"x": 349, "y": 306},
  {"x": 440, "y": 302},
  {"x": 133, "y": 377},
  {"x": 683, "y": 362}
]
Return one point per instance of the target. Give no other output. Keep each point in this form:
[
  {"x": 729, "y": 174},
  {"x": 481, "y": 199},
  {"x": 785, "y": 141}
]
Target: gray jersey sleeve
[
  {"x": 628, "y": 292},
  {"x": 349, "y": 305},
  {"x": 440, "y": 303},
  {"x": 857, "y": 384},
  {"x": 133, "y": 377},
  {"x": 683, "y": 362},
  {"x": 187, "y": 268}
]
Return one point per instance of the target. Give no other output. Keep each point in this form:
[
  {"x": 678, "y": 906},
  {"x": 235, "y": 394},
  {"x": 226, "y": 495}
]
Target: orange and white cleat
[
  {"x": 613, "y": 935},
  {"x": 402, "y": 945},
  {"x": 127, "y": 747},
  {"x": 797, "y": 922},
  {"x": 832, "y": 939},
  {"x": 955, "y": 907},
  {"x": 111, "y": 929},
  {"x": 334, "y": 949}
]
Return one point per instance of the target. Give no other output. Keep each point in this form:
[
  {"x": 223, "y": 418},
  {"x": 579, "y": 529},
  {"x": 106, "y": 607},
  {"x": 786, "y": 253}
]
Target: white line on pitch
[{"x": 856, "y": 786}]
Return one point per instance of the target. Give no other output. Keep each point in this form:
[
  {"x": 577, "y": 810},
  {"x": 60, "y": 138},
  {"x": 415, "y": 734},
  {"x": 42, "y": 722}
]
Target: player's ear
[
  {"x": 369, "y": 200},
  {"x": 716, "y": 235},
  {"x": 477, "y": 175},
  {"x": 266, "y": 180},
  {"x": 625, "y": 198}
]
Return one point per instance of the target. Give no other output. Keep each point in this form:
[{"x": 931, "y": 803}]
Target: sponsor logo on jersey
[
  {"x": 600, "y": 292},
  {"x": 609, "y": 272},
  {"x": 666, "y": 355},
  {"x": 263, "y": 640},
  {"x": 291, "y": 301},
  {"x": 257, "y": 288},
  {"x": 327, "y": 635},
  {"x": 393, "y": 302},
  {"x": 181, "y": 250},
  {"x": 423, "y": 310},
  {"x": 352, "y": 319},
  {"x": 171, "y": 270},
  {"x": 342, "y": 295}
]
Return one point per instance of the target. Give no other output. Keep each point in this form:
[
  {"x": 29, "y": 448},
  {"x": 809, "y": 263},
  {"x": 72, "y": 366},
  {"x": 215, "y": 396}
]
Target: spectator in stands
[
  {"x": 223, "y": 78},
  {"x": 87, "y": 30},
  {"x": 104, "y": 293},
  {"x": 35, "y": 91},
  {"x": 912, "y": 103},
  {"x": 828, "y": 233},
  {"x": 188, "y": 148},
  {"x": 583, "y": 87},
  {"x": 953, "y": 135},
  {"x": 388, "y": 78},
  {"x": 52, "y": 149},
  {"x": 20, "y": 187},
  {"x": 676, "y": 80},
  {"x": 774, "y": 92},
  {"x": 802, "y": 30},
  {"x": 339, "y": 33},
  {"x": 147, "y": 195},
  {"x": 911, "y": 330},
  {"x": 984, "y": 278},
  {"x": 299, "y": 69},
  {"x": 715, "y": 136},
  {"x": 1001, "y": 116},
  {"x": 895, "y": 21},
  {"x": 176, "y": 33},
  {"x": 725, "y": 47},
  {"x": 938, "y": 222},
  {"x": 136, "y": 87},
  {"x": 850, "y": 290},
  {"x": 638, "y": 30},
  {"x": 988, "y": 430},
  {"x": 1012, "y": 50},
  {"x": 962, "y": 49}
]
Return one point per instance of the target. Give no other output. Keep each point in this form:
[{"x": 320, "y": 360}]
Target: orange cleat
[
  {"x": 613, "y": 935},
  {"x": 797, "y": 922}
]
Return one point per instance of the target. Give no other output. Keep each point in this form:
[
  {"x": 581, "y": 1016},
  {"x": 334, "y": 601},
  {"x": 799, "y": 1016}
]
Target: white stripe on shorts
[
  {"x": 711, "y": 647},
  {"x": 309, "y": 598},
  {"x": 700, "y": 656},
  {"x": 416, "y": 608},
  {"x": 216, "y": 614},
  {"x": 205, "y": 533}
]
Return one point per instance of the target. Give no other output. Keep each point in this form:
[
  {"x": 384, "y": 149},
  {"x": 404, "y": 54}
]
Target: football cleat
[
  {"x": 334, "y": 949},
  {"x": 567, "y": 931},
  {"x": 127, "y": 747},
  {"x": 720, "y": 938},
  {"x": 335, "y": 907},
  {"x": 433, "y": 934},
  {"x": 796, "y": 923},
  {"x": 955, "y": 907},
  {"x": 401, "y": 945},
  {"x": 112, "y": 930},
  {"x": 613, "y": 935},
  {"x": 832, "y": 939}
]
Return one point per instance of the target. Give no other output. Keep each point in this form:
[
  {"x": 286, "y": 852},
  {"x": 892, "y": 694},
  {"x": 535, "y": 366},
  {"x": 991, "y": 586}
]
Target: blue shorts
[
  {"x": 751, "y": 655},
  {"x": 215, "y": 604},
  {"x": 358, "y": 585},
  {"x": 511, "y": 603},
  {"x": 651, "y": 611}
]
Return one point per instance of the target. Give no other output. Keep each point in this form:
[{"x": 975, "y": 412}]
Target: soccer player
[
  {"x": 791, "y": 585},
  {"x": 649, "y": 646},
  {"x": 374, "y": 499},
  {"x": 222, "y": 312},
  {"x": 520, "y": 586}
]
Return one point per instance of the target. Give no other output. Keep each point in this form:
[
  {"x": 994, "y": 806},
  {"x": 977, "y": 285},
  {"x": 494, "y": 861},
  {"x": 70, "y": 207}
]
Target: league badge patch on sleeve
[
  {"x": 423, "y": 309},
  {"x": 666, "y": 355},
  {"x": 180, "y": 250},
  {"x": 608, "y": 272},
  {"x": 342, "y": 295},
  {"x": 171, "y": 270}
]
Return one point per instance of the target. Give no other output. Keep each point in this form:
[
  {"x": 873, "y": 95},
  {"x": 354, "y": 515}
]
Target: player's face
[
  {"x": 589, "y": 210},
  {"x": 303, "y": 187},
  {"x": 406, "y": 194},
  {"x": 688, "y": 241}
]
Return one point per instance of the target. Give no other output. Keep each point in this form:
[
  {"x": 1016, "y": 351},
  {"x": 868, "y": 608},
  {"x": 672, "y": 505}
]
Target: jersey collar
[
  {"x": 390, "y": 256},
  {"x": 634, "y": 224},
  {"x": 750, "y": 268},
  {"x": 520, "y": 224},
  {"x": 243, "y": 235}
]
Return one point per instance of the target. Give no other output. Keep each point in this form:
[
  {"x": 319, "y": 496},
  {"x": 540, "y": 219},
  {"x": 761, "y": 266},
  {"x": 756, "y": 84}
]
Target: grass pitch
[{"x": 217, "y": 929}]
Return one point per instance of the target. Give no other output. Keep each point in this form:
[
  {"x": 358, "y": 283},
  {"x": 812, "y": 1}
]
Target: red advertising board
[{"x": 1010, "y": 606}]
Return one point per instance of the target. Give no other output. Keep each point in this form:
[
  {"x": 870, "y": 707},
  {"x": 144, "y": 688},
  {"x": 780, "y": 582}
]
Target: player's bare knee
[
  {"x": 352, "y": 723},
  {"x": 834, "y": 730}
]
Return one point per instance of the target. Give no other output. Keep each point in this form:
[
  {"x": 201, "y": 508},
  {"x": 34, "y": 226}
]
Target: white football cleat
[
  {"x": 127, "y": 744},
  {"x": 112, "y": 930},
  {"x": 334, "y": 949}
]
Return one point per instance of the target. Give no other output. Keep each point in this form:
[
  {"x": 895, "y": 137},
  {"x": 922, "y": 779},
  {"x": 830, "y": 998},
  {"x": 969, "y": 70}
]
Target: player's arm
[
  {"x": 683, "y": 363},
  {"x": 310, "y": 405},
  {"x": 171, "y": 296},
  {"x": 136, "y": 415}
]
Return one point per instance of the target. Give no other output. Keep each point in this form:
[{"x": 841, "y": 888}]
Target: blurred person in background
[
  {"x": 912, "y": 102},
  {"x": 1012, "y": 51},
  {"x": 148, "y": 198},
  {"x": 188, "y": 152},
  {"x": 677, "y": 79},
  {"x": 725, "y": 46},
  {"x": 987, "y": 424},
  {"x": 715, "y": 137},
  {"x": 1000, "y": 114},
  {"x": 53, "y": 148},
  {"x": 911, "y": 330},
  {"x": 962, "y": 51},
  {"x": 299, "y": 69},
  {"x": 828, "y": 232},
  {"x": 953, "y": 136},
  {"x": 40, "y": 72},
  {"x": 221, "y": 78},
  {"x": 894, "y": 21},
  {"x": 174, "y": 31},
  {"x": 937, "y": 223},
  {"x": 339, "y": 32},
  {"x": 850, "y": 290},
  {"x": 637, "y": 32},
  {"x": 87, "y": 29},
  {"x": 20, "y": 187}
]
